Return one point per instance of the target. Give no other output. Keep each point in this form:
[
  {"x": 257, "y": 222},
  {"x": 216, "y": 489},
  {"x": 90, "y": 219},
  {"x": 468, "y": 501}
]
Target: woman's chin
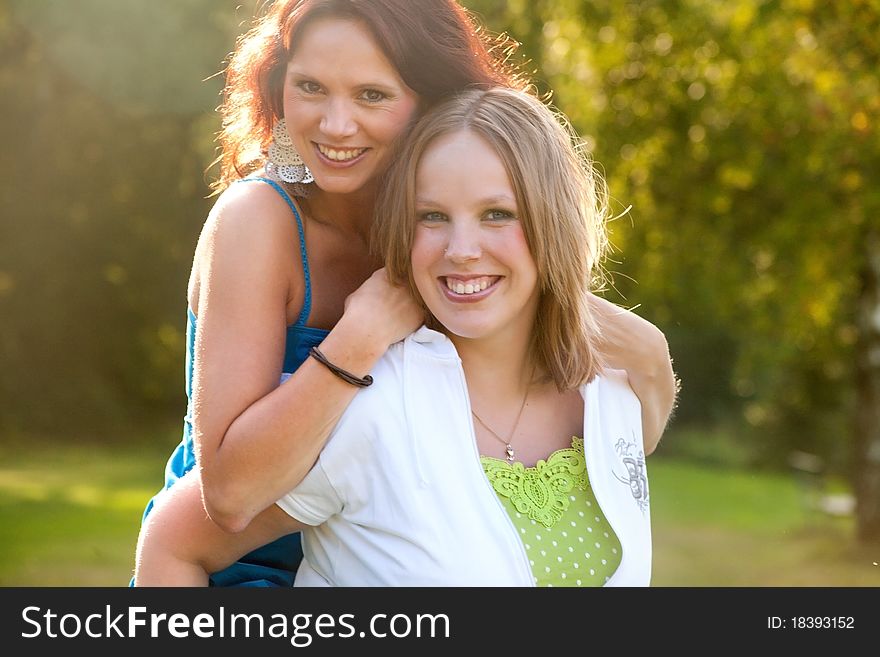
[
  {"x": 350, "y": 180},
  {"x": 467, "y": 331}
]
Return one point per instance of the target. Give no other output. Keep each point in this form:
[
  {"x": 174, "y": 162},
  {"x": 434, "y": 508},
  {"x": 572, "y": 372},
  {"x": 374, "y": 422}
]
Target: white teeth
[
  {"x": 339, "y": 155},
  {"x": 471, "y": 287}
]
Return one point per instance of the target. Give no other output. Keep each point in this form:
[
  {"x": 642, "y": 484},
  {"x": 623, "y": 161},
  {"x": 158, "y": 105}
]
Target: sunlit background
[{"x": 743, "y": 133}]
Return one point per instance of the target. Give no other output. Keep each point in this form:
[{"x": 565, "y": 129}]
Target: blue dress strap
[{"x": 307, "y": 301}]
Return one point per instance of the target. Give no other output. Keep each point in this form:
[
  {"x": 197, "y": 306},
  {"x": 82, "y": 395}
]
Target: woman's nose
[
  {"x": 463, "y": 245},
  {"x": 338, "y": 120}
]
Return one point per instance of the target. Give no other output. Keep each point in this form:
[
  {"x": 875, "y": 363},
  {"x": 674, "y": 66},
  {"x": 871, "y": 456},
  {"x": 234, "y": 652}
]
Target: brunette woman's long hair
[{"x": 437, "y": 47}]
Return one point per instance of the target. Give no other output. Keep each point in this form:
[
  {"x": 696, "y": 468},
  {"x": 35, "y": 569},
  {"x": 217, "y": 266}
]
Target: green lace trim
[{"x": 541, "y": 492}]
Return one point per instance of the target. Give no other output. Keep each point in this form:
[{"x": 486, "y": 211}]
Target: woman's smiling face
[
  {"x": 470, "y": 259},
  {"x": 344, "y": 104}
]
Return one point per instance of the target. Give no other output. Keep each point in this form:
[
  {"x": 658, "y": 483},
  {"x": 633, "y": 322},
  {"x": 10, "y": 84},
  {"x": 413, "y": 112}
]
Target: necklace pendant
[{"x": 510, "y": 454}]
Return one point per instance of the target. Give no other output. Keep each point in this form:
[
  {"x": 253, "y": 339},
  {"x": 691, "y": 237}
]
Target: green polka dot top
[{"x": 567, "y": 538}]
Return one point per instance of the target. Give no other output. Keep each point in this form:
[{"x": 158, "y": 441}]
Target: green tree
[
  {"x": 743, "y": 133},
  {"x": 107, "y": 130}
]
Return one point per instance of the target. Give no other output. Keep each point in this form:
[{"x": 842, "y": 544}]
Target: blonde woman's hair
[{"x": 562, "y": 205}]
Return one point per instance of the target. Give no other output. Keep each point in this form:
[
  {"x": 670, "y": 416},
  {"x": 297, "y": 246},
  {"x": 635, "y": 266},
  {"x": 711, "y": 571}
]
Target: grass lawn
[
  {"x": 69, "y": 516},
  {"x": 715, "y": 527}
]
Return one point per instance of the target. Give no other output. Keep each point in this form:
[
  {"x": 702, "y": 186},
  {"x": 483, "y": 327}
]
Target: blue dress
[{"x": 274, "y": 564}]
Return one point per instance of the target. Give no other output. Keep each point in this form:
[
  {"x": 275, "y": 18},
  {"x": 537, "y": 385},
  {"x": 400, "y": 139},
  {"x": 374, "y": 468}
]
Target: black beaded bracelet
[{"x": 348, "y": 377}]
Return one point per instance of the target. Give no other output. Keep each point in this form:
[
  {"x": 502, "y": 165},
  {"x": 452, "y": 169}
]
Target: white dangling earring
[{"x": 284, "y": 162}]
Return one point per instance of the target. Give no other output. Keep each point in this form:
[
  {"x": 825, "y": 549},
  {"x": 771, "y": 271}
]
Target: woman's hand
[
  {"x": 383, "y": 312},
  {"x": 631, "y": 343}
]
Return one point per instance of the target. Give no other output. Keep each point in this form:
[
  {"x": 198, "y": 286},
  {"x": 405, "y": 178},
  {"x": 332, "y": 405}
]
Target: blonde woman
[{"x": 493, "y": 447}]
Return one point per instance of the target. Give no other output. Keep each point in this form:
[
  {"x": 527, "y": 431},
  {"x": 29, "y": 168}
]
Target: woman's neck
[
  {"x": 349, "y": 213},
  {"x": 496, "y": 369}
]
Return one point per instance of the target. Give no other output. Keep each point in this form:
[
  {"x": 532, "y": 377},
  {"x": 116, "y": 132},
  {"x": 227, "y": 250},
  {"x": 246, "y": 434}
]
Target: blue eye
[
  {"x": 432, "y": 217},
  {"x": 499, "y": 215}
]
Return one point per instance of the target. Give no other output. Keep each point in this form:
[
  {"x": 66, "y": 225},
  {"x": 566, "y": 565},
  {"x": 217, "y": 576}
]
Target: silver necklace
[{"x": 511, "y": 455}]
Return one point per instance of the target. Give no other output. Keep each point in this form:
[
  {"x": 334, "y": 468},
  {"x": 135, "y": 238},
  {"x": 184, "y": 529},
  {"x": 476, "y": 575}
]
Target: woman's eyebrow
[
  {"x": 498, "y": 198},
  {"x": 302, "y": 73},
  {"x": 488, "y": 200}
]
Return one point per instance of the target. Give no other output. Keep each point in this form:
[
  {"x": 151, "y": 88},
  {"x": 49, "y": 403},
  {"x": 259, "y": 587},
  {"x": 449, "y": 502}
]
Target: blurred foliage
[
  {"x": 743, "y": 133},
  {"x": 107, "y": 131}
]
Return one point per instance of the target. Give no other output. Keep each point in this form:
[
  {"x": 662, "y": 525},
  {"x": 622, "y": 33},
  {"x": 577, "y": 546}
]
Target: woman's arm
[
  {"x": 179, "y": 544},
  {"x": 631, "y": 343},
  {"x": 255, "y": 440}
]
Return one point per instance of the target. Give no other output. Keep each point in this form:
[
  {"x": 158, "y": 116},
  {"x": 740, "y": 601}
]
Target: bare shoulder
[
  {"x": 249, "y": 211},
  {"x": 249, "y": 225}
]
